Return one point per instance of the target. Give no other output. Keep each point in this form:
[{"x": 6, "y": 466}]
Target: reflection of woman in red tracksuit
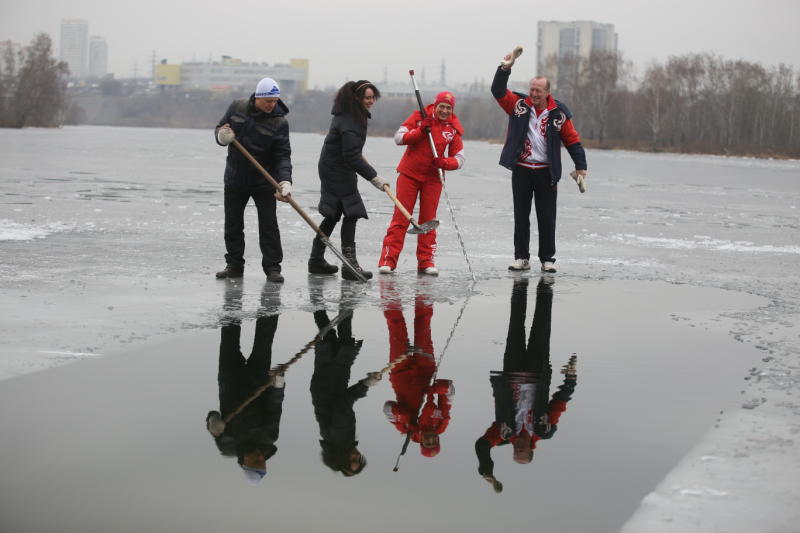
[
  {"x": 419, "y": 176},
  {"x": 422, "y": 409}
]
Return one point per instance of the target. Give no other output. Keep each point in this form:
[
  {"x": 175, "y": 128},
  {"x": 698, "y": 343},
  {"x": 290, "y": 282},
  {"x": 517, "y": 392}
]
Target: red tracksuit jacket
[{"x": 417, "y": 161}]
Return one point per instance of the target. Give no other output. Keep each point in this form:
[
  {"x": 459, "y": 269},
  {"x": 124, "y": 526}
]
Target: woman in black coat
[{"x": 339, "y": 162}]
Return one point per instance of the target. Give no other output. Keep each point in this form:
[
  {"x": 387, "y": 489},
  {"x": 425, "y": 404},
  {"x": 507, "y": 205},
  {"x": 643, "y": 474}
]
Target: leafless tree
[
  {"x": 39, "y": 97},
  {"x": 8, "y": 67}
]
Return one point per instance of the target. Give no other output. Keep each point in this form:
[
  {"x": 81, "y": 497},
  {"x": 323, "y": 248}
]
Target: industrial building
[{"x": 231, "y": 75}]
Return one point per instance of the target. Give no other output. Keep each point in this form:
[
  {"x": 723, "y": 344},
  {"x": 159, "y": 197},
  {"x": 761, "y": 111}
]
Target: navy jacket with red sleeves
[{"x": 559, "y": 128}]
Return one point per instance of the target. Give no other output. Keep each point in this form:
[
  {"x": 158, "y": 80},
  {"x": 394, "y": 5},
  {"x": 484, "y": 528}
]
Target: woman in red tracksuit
[
  {"x": 419, "y": 176},
  {"x": 422, "y": 408}
]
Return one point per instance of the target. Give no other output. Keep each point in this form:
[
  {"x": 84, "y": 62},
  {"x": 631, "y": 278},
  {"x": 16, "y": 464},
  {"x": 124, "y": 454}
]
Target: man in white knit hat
[{"x": 259, "y": 124}]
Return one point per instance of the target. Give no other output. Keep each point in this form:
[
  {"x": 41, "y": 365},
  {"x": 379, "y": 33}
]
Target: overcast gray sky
[{"x": 358, "y": 39}]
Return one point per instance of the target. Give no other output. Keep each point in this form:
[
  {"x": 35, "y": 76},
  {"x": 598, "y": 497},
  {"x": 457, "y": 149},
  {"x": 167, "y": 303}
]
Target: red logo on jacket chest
[{"x": 543, "y": 126}]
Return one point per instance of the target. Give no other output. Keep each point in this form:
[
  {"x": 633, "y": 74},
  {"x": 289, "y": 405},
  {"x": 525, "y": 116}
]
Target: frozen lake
[{"x": 677, "y": 291}]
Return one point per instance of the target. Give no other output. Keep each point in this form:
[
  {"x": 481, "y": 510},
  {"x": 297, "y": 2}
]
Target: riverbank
[{"x": 482, "y": 119}]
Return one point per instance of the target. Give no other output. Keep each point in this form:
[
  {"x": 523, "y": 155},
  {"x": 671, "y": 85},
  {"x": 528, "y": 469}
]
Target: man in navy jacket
[{"x": 537, "y": 126}]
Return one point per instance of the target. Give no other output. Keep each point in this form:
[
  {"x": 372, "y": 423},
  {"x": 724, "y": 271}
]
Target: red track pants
[
  {"x": 407, "y": 191},
  {"x": 410, "y": 379}
]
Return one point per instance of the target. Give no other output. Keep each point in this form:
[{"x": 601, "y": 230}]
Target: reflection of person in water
[
  {"x": 422, "y": 409},
  {"x": 249, "y": 434},
  {"x": 333, "y": 400},
  {"x": 523, "y": 414}
]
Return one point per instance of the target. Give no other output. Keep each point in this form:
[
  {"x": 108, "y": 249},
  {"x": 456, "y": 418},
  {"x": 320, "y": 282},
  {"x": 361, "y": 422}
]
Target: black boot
[
  {"x": 317, "y": 263},
  {"x": 230, "y": 271},
  {"x": 349, "y": 252}
]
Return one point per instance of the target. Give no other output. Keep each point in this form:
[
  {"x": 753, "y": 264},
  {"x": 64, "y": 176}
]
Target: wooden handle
[
  {"x": 398, "y": 204},
  {"x": 275, "y": 184}
]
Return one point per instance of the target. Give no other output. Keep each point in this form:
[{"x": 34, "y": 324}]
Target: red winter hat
[
  {"x": 429, "y": 452},
  {"x": 445, "y": 97}
]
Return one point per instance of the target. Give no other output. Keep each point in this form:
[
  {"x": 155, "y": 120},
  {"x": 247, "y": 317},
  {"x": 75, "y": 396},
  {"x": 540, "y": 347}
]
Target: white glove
[
  {"x": 387, "y": 409},
  {"x": 215, "y": 424},
  {"x": 571, "y": 368},
  {"x": 579, "y": 179},
  {"x": 379, "y": 182},
  {"x": 372, "y": 379},
  {"x": 225, "y": 135},
  {"x": 508, "y": 60},
  {"x": 278, "y": 381},
  {"x": 286, "y": 188}
]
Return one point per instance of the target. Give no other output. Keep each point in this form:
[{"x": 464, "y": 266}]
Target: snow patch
[
  {"x": 699, "y": 242},
  {"x": 703, "y": 491},
  {"x": 15, "y": 231}
]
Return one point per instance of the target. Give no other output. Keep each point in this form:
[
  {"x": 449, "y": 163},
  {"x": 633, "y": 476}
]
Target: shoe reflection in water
[
  {"x": 332, "y": 398},
  {"x": 246, "y": 427},
  {"x": 524, "y": 414},
  {"x": 421, "y": 410}
]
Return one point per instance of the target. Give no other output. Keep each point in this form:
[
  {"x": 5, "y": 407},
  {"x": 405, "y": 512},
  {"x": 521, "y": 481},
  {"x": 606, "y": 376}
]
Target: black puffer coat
[
  {"x": 265, "y": 136},
  {"x": 339, "y": 162},
  {"x": 257, "y": 425}
]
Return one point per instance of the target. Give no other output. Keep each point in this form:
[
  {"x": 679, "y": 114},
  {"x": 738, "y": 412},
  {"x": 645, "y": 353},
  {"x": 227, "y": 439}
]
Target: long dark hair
[
  {"x": 348, "y": 100},
  {"x": 337, "y": 458}
]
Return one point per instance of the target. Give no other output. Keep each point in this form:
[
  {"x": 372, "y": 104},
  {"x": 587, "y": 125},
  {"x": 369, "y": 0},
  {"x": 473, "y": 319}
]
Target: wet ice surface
[
  {"x": 109, "y": 240},
  {"x": 122, "y": 440}
]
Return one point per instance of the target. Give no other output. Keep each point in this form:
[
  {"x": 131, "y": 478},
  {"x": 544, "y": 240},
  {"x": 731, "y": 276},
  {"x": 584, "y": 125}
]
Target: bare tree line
[{"x": 690, "y": 103}]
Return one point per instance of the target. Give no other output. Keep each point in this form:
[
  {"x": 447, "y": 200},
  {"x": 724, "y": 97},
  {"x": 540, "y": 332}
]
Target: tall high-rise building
[
  {"x": 560, "y": 42},
  {"x": 98, "y": 57},
  {"x": 75, "y": 46}
]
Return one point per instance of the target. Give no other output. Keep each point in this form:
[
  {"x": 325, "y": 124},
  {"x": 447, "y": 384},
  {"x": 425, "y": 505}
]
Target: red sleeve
[
  {"x": 569, "y": 135},
  {"x": 455, "y": 146},
  {"x": 413, "y": 136},
  {"x": 444, "y": 405},
  {"x": 401, "y": 415},
  {"x": 412, "y": 121},
  {"x": 402, "y": 428},
  {"x": 556, "y": 408},
  {"x": 493, "y": 434},
  {"x": 508, "y": 101}
]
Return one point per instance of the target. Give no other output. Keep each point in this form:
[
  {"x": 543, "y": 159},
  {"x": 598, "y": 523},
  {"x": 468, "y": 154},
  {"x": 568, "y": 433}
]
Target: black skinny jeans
[
  {"x": 529, "y": 185},
  {"x": 348, "y": 231},
  {"x": 269, "y": 236}
]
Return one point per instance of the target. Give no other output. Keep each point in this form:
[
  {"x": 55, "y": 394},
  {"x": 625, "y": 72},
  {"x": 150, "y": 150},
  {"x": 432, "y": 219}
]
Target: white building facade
[
  {"x": 74, "y": 49},
  {"x": 98, "y": 57},
  {"x": 571, "y": 40}
]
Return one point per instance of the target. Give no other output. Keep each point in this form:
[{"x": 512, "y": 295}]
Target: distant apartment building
[
  {"x": 560, "y": 42},
  {"x": 75, "y": 46},
  {"x": 98, "y": 57},
  {"x": 232, "y": 75}
]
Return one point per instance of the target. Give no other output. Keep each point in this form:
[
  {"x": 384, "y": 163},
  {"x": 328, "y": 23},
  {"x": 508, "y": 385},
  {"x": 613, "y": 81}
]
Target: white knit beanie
[{"x": 268, "y": 88}]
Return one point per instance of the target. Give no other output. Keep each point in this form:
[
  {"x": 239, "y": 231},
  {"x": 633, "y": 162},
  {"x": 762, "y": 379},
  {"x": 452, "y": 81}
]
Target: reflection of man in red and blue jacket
[
  {"x": 524, "y": 414},
  {"x": 422, "y": 408},
  {"x": 537, "y": 126}
]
